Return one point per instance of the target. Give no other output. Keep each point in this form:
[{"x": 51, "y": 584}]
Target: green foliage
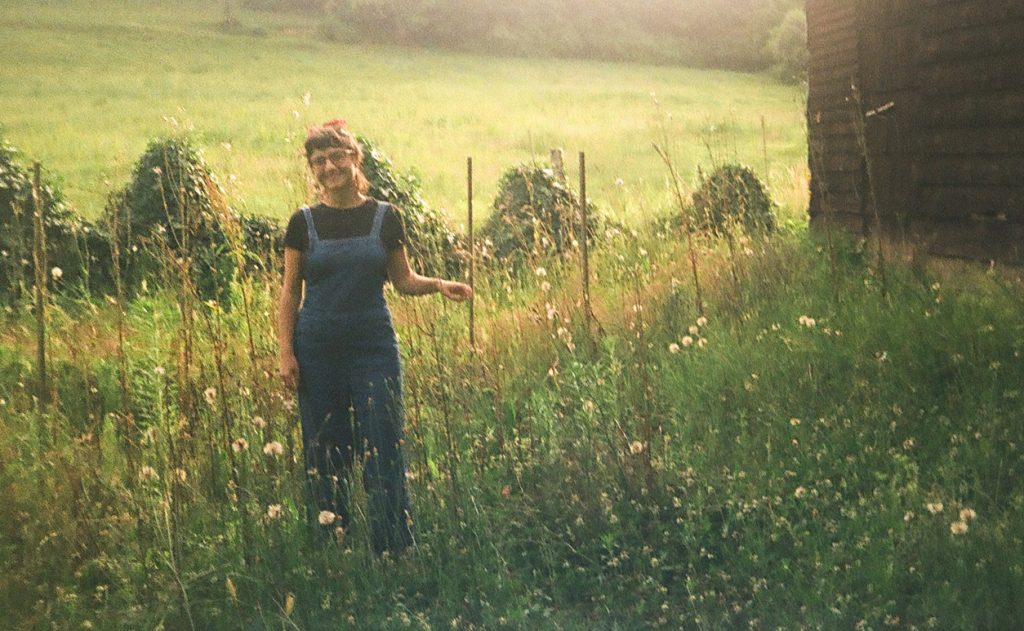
[
  {"x": 732, "y": 193},
  {"x": 173, "y": 215},
  {"x": 787, "y": 47},
  {"x": 73, "y": 245},
  {"x": 534, "y": 214},
  {"x": 435, "y": 247},
  {"x": 173, "y": 208}
]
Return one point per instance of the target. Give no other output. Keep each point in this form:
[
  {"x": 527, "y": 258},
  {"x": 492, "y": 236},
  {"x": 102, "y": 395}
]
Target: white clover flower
[
  {"x": 326, "y": 518},
  {"x": 273, "y": 448}
]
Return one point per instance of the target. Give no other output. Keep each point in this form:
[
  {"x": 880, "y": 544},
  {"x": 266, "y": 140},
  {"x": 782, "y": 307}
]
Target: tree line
[{"x": 746, "y": 35}]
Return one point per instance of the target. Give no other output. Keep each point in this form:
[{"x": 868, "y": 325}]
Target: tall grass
[{"x": 783, "y": 461}]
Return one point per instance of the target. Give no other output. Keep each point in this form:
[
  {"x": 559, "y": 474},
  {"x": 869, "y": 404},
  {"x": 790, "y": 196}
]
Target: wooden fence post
[
  {"x": 39, "y": 261},
  {"x": 588, "y": 314},
  {"x": 472, "y": 251}
]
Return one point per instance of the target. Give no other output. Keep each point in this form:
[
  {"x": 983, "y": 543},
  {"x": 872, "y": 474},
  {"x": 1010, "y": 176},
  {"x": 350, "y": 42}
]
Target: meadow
[
  {"x": 85, "y": 85},
  {"x": 753, "y": 432}
]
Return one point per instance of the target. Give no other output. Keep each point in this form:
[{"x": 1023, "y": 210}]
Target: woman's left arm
[{"x": 408, "y": 282}]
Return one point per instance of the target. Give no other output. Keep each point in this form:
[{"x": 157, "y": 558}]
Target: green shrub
[
  {"x": 432, "y": 244},
  {"x": 174, "y": 206},
  {"x": 534, "y": 214},
  {"x": 732, "y": 193},
  {"x": 75, "y": 246}
]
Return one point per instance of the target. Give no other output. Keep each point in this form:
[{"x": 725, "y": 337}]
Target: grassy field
[{"x": 85, "y": 85}]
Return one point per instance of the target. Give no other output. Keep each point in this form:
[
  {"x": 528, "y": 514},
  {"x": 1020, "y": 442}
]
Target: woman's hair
[{"x": 332, "y": 134}]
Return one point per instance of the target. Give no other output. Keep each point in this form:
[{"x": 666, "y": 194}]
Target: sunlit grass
[{"x": 84, "y": 86}]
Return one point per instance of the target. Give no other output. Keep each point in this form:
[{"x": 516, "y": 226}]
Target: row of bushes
[{"x": 174, "y": 210}]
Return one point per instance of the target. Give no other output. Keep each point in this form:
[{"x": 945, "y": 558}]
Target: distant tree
[{"x": 787, "y": 47}]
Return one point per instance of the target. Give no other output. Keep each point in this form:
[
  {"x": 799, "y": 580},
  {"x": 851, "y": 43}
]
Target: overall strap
[
  {"x": 378, "y": 219},
  {"x": 310, "y": 228}
]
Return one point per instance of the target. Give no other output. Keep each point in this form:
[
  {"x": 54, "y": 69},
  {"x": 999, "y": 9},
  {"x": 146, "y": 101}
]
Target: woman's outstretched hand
[
  {"x": 289, "y": 370},
  {"x": 454, "y": 291}
]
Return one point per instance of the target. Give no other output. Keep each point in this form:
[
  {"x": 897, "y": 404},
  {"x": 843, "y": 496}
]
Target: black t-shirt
[{"x": 344, "y": 223}]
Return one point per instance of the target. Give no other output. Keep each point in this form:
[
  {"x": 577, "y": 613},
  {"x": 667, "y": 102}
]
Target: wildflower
[
  {"x": 806, "y": 321},
  {"x": 799, "y": 492},
  {"x": 687, "y": 340},
  {"x": 693, "y": 330},
  {"x": 259, "y": 422},
  {"x": 56, "y": 272},
  {"x": 273, "y": 448},
  {"x": 506, "y": 491},
  {"x": 673, "y": 348},
  {"x": 540, "y": 271},
  {"x": 958, "y": 527},
  {"x": 239, "y": 445},
  {"x": 908, "y": 516},
  {"x": 160, "y": 371},
  {"x": 210, "y": 394},
  {"x": 326, "y": 518},
  {"x": 934, "y": 507},
  {"x": 307, "y": 98},
  {"x": 545, "y": 286},
  {"x": 148, "y": 473},
  {"x": 967, "y": 514},
  {"x": 636, "y": 447},
  {"x": 181, "y": 474},
  {"x": 702, "y": 342},
  {"x": 274, "y": 511},
  {"x": 794, "y": 421},
  {"x": 702, "y": 321}
]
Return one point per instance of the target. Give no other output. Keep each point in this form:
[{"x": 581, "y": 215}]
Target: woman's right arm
[{"x": 287, "y": 312}]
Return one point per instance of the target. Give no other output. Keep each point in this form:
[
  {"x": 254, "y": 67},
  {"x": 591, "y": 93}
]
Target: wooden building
[{"x": 916, "y": 118}]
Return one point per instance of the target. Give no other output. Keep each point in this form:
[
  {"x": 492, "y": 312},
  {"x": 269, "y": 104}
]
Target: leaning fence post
[
  {"x": 472, "y": 250},
  {"x": 39, "y": 261},
  {"x": 586, "y": 249}
]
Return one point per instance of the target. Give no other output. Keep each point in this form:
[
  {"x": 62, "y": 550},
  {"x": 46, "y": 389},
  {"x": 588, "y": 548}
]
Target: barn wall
[
  {"x": 833, "y": 154},
  {"x": 970, "y": 133},
  {"x": 945, "y": 160}
]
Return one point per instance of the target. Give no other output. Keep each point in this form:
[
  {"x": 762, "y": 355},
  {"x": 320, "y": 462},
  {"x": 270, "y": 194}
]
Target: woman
[{"x": 339, "y": 350}]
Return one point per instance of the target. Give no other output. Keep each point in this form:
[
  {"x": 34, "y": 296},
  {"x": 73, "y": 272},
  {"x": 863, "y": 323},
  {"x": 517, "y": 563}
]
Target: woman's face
[{"x": 334, "y": 167}]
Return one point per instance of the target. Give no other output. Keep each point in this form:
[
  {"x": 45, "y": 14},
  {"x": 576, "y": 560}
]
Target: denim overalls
[{"x": 350, "y": 384}]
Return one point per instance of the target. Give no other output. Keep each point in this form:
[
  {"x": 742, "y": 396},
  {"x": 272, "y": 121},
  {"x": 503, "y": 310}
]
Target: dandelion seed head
[
  {"x": 56, "y": 272},
  {"x": 799, "y": 492},
  {"x": 693, "y": 330},
  {"x": 687, "y": 340},
  {"x": 702, "y": 321},
  {"x": 673, "y": 348},
  {"x": 210, "y": 394},
  {"x": 967, "y": 514},
  {"x": 274, "y": 511},
  {"x": 326, "y": 518},
  {"x": 934, "y": 507},
  {"x": 239, "y": 445},
  {"x": 273, "y": 448},
  {"x": 636, "y": 447},
  {"x": 958, "y": 527},
  {"x": 540, "y": 271}
]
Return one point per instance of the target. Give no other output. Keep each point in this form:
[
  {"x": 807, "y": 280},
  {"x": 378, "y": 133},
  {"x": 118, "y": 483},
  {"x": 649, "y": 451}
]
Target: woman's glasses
[{"x": 337, "y": 157}]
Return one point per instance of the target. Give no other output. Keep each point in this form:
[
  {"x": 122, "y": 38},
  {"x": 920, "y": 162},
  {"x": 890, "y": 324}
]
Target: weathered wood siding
[
  {"x": 833, "y": 67},
  {"x": 945, "y": 162}
]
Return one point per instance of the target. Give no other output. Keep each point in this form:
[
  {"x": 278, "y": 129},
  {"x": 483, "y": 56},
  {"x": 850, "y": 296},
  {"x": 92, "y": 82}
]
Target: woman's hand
[
  {"x": 289, "y": 370},
  {"x": 454, "y": 291}
]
